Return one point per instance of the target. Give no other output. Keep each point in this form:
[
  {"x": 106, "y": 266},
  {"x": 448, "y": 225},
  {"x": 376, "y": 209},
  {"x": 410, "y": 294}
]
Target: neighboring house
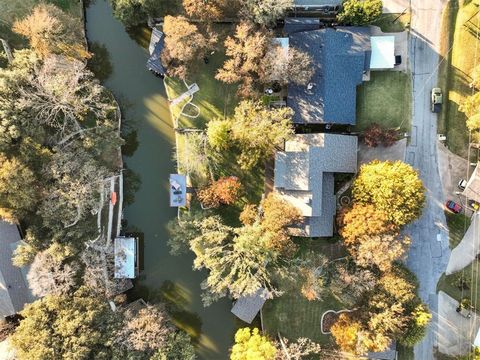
[
  {"x": 472, "y": 190},
  {"x": 304, "y": 176},
  {"x": 247, "y": 307},
  {"x": 154, "y": 63},
  {"x": 343, "y": 58},
  {"x": 14, "y": 291}
]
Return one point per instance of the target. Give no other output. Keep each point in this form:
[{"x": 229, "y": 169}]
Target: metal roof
[
  {"x": 178, "y": 190},
  {"x": 125, "y": 257},
  {"x": 383, "y": 52},
  {"x": 14, "y": 291},
  {"x": 155, "y": 48},
  {"x": 247, "y": 307},
  {"x": 304, "y": 176},
  {"x": 340, "y": 58}
]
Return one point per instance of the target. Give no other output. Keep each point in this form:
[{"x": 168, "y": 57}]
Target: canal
[{"x": 163, "y": 276}]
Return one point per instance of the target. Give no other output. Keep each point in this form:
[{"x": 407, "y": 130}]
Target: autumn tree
[
  {"x": 52, "y": 31},
  {"x": 178, "y": 346},
  {"x": 225, "y": 190},
  {"x": 345, "y": 332},
  {"x": 266, "y": 12},
  {"x": 76, "y": 326},
  {"x": 475, "y": 75},
  {"x": 135, "y": 12},
  {"x": 53, "y": 271},
  {"x": 258, "y": 130},
  {"x": 375, "y": 135},
  {"x": 250, "y": 344},
  {"x": 184, "y": 45},
  {"x": 417, "y": 326},
  {"x": 218, "y": 133},
  {"x": 312, "y": 270},
  {"x": 278, "y": 215},
  {"x": 205, "y": 10},
  {"x": 249, "y": 214},
  {"x": 245, "y": 52},
  {"x": 392, "y": 187},
  {"x": 302, "y": 348},
  {"x": 286, "y": 66},
  {"x": 360, "y": 12}
]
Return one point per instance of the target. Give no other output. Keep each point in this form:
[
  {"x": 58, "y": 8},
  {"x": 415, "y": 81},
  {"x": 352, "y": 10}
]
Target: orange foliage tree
[{"x": 225, "y": 190}]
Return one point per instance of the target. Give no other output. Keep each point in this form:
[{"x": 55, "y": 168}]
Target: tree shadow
[{"x": 100, "y": 63}]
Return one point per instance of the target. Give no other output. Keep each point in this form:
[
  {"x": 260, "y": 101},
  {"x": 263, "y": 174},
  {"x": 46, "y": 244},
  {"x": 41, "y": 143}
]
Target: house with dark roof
[
  {"x": 304, "y": 176},
  {"x": 14, "y": 290}
]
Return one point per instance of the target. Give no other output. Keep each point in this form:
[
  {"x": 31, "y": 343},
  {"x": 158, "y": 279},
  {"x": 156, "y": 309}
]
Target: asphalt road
[{"x": 429, "y": 252}]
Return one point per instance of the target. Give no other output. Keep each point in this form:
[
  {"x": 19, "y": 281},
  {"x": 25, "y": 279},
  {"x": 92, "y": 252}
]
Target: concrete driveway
[
  {"x": 429, "y": 252},
  {"x": 395, "y": 6}
]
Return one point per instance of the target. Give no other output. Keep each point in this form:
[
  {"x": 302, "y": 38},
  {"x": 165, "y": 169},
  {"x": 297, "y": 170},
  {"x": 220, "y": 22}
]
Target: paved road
[{"x": 429, "y": 252}]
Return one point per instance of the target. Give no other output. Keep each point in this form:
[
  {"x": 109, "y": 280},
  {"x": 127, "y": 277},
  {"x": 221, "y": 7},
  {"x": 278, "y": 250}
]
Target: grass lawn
[
  {"x": 385, "y": 99},
  {"x": 457, "y": 226},
  {"x": 459, "y": 27},
  {"x": 393, "y": 22},
  {"x": 292, "y": 314},
  {"x": 450, "y": 284}
]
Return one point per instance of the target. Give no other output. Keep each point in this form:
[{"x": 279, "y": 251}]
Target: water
[{"x": 213, "y": 327}]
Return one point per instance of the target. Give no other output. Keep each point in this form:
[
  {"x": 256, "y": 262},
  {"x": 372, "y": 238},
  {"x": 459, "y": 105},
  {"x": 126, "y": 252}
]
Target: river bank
[{"x": 163, "y": 276}]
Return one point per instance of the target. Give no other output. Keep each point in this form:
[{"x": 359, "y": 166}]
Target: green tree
[
  {"x": 205, "y": 10},
  {"x": 250, "y": 345},
  {"x": 74, "y": 326},
  {"x": 178, "y": 346},
  {"x": 259, "y": 130},
  {"x": 392, "y": 187},
  {"x": 218, "y": 132},
  {"x": 360, "y": 12},
  {"x": 135, "y": 12},
  {"x": 417, "y": 326}
]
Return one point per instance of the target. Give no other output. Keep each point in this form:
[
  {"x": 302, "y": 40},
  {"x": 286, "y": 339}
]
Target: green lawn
[
  {"x": 457, "y": 226},
  {"x": 385, "y": 99},
  {"x": 293, "y": 315},
  {"x": 450, "y": 284},
  {"x": 393, "y": 22},
  {"x": 454, "y": 76}
]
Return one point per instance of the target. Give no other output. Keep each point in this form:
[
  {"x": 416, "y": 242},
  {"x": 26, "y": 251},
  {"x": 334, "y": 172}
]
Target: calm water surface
[{"x": 145, "y": 97}]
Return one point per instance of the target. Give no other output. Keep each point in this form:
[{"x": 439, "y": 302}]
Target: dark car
[{"x": 453, "y": 206}]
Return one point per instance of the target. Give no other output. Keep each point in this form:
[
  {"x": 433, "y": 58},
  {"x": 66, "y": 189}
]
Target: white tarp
[
  {"x": 383, "y": 52},
  {"x": 178, "y": 190},
  {"x": 125, "y": 257}
]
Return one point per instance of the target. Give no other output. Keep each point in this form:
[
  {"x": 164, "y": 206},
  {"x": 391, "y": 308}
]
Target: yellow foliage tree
[
  {"x": 346, "y": 331},
  {"x": 251, "y": 345}
]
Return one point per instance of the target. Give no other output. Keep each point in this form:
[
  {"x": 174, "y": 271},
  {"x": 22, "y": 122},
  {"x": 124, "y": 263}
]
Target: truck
[{"x": 437, "y": 99}]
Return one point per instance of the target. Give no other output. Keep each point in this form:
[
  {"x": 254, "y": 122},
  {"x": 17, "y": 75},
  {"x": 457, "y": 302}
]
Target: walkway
[
  {"x": 192, "y": 89},
  {"x": 428, "y": 257}
]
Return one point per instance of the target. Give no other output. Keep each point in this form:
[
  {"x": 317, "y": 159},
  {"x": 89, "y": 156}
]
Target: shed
[
  {"x": 383, "y": 52},
  {"x": 178, "y": 190},
  {"x": 14, "y": 290},
  {"x": 126, "y": 256},
  {"x": 247, "y": 307}
]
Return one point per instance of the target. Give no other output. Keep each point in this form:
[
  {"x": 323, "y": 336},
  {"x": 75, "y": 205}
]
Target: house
[
  {"x": 14, "y": 290},
  {"x": 343, "y": 58},
  {"x": 126, "y": 257},
  {"x": 304, "y": 176},
  {"x": 155, "y": 48},
  {"x": 247, "y": 307},
  {"x": 472, "y": 189}
]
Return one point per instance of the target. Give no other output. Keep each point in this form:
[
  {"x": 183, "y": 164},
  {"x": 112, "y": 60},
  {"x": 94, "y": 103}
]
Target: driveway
[
  {"x": 395, "y": 6},
  {"x": 429, "y": 252}
]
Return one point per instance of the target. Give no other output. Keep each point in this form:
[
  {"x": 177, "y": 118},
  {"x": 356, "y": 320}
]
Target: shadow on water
[{"x": 150, "y": 141}]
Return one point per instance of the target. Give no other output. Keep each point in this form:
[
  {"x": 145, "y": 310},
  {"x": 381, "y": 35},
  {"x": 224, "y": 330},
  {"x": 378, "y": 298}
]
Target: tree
[
  {"x": 24, "y": 254},
  {"x": 146, "y": 330},
  {"x": 375, "y": 135},
  {"x": 182, "y": 230},
  {"x": 19, "y": 192},
  {"x": 76, "y": 326},
  {"x": 475, "y": 83},
  {"x": 184, "y": 45},
  {"x": 346, "y": 332},
  {"x": 245, "y": 52},
  {"x": 218, "y": 133},
  {"x": 312, "y": 269},
  {"x": 178, "y": 346},
  {"x": 417, "y": 327},
  {"x": 278, "y": 215},
  {"x": 225, "y": 190},
  {"x": 51, "y": 272},
  {"x": 363, "y": 220},
  {"x": 259, "y": 130},
  {"x": 205, "y": 10},
  {"x": 392, "y": 187},
  {"x": 379, "y": 250},
  {"x": 287, "y": 66},
  {"x": 471, "y": 105},
  {"x": 297, "y": 350},
  {"x": 349, "y": 282},
  {"x": 360, "y": 12},
  {"x": 249, "y": 214},
  {"x": 194, "y": 157},
  {"x": 52, "y": 31},
  {"x": 250, "y": 344},
  {"x": 266, "y": 12},
  {"x": 135, "y": 12}
]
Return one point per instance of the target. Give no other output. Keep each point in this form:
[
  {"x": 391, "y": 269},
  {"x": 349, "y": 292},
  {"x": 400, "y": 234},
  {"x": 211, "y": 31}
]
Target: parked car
[
  {"x": 473, "y": 205},
  {"x": 462, "y": 184},
  {"x": 437, "y": 99},
  {"x": 453, "y": 206}
]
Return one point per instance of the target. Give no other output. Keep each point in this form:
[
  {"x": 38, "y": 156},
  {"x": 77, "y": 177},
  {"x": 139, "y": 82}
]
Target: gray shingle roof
[
  {"x": 247, "y": 307},
  {"x": 14, "y": 292},
  {"x": 298, "y": 24},
  {"x": 340, "y": 57},
  {"x": 309, "y": 183}
]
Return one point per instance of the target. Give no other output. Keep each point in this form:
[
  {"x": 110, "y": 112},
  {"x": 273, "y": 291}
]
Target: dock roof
[{"x": 247, "y": 307}]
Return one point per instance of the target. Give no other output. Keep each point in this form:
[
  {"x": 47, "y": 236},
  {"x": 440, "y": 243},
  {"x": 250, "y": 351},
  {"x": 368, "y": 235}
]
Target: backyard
[
  {"x": 385, "y": 100},
  {"x": 460, "y": 26}
]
